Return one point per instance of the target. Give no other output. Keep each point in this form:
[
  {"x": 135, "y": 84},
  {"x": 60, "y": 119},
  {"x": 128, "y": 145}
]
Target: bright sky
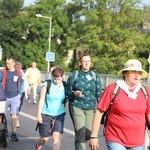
[{"x": 28, "y": 2}]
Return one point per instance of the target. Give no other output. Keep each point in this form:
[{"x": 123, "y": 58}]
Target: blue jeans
[{"x": 117, "y": 146}]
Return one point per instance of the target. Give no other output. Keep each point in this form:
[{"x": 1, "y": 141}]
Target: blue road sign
[{"x": 50, "y": 56}]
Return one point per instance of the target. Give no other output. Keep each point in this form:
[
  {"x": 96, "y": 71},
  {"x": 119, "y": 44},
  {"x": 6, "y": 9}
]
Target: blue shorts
[
  {"x": 114, "y": 146},
  {"x": 14, "y": 104},
  {"x": 47, "y": 128}
]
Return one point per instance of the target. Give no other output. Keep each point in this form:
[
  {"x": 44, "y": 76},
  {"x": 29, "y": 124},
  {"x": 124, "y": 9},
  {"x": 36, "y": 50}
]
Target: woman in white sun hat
[{"x": 125, "y": 127}]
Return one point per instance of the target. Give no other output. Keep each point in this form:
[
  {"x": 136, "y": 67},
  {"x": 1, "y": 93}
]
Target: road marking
[
  {"x": 36, "y": 138},
  {"x": 34, "y": 118}
]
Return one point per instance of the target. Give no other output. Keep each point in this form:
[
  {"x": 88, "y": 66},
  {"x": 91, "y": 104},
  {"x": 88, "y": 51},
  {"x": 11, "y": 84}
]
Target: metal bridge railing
[{"x": 106, "y": 79}]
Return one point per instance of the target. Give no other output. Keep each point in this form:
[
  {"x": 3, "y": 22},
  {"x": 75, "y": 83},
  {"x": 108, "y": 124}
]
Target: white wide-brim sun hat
[{"x": 133, "y": 64}]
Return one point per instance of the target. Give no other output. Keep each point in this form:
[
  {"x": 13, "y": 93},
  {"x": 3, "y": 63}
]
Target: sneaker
[
  {"x": 37, "y": 147},
  {"x": 14, "y": 137},
  {"x": 18, "y": 125},
  {"x": 29, "y": 101},
  {"x": 34, "y": 102}
]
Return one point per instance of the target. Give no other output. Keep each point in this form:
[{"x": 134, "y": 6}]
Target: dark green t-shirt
[{"x": 88, "y": 84}]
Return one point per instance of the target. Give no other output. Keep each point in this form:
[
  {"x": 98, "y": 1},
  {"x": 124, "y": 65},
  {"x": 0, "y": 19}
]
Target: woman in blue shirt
[{"x": 51, "y": 114}]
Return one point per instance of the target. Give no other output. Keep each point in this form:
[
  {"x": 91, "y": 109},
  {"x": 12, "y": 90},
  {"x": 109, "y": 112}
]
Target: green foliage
[{"x": 111, "y": 31}]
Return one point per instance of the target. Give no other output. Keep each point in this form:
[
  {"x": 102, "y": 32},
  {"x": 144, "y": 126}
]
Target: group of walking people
[
  {"x": 126, "y": 120},
  {"x": 125, "y": 127}
]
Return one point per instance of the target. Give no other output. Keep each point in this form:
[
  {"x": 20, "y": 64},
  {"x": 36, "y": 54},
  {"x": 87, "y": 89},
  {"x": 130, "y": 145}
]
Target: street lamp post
[{"x": 49, "y": 39}]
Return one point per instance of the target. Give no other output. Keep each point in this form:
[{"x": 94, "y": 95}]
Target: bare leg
[
  {"x": 14, "y": 122},
  {"x": 42, "y": 141},
  {"x": 56, "y": 140}
]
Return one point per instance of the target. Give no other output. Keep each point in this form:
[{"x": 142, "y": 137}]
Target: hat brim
[{"x": 144, "y": 73}]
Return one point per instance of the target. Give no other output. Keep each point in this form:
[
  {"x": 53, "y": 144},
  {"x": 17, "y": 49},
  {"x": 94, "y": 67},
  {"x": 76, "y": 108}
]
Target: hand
[
  {"x": 93, "y": 144},
  {"x": 39, "y": 119},
  {"x": 78, "y": 93}
]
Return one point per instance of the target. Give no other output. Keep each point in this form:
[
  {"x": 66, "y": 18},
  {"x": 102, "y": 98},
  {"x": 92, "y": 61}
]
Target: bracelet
[
  {"x": 93, "y": 137},
  {"x": 39, "y": 117}
]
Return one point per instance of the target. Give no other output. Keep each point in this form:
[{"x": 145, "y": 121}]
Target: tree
[
  {"x": 110, "y": 32},
  {"x": 39, "y": 31},
  {"x": 28, "y": 35},
  {"x": 8, "y": 10}
]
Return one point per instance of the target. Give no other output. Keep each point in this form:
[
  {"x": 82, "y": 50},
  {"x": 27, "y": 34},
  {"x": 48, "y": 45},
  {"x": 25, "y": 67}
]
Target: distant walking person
[
  {"x": 12, "y": 82},
  {"x": 84, "y": 88},
  {"x": 33, "y": 75},
  {"x": 25, "y": 88},
  {"x": 51, "y": 114}
]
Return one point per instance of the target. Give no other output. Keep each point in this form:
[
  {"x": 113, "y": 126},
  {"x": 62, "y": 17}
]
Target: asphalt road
[{"x": 28, "y": 136}]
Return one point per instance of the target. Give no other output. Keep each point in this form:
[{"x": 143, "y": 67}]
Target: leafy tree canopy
[{"x": 111, "y": 31}]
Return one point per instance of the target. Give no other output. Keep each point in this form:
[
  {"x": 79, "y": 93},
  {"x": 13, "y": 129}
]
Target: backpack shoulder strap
[
  {"x": 115, "y": 92},
  {"x": 94, "y": 75},
  {"x": 48, "y": 86},
  {"x": 143, "y": 88},
  {"x": 66, "y": 97},
  {"x": 76, "y": 74},
  {"x": 64, "y": 83},
  {"x": 47, "y": 90}
]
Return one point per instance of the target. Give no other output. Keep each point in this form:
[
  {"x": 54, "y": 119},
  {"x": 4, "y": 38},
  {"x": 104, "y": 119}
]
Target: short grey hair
[{"x": 18, "y": 65}]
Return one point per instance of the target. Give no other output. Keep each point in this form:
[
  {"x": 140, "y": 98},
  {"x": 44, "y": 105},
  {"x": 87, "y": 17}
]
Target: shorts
[
  {"x": 46, "y": 129},
  {"x": 14, "y": 104}
]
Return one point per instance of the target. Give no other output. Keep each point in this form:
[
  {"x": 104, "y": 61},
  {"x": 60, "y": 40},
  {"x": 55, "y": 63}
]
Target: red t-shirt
[{"x": 126, "y": 119}]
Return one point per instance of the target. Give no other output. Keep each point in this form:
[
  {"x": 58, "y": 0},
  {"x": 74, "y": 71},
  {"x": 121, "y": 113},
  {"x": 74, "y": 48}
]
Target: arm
[
  {"x": 22, "y": 83},
  {"x": 40, "y": 105},
  {"x": 39, "y": 78},
  {"x": 93, "y": 144},
  {"x": 70, "y": 83}
]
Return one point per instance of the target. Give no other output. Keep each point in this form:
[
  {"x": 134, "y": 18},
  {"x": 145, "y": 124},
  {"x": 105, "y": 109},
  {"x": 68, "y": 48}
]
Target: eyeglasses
[{"x": 135, "y": 72}]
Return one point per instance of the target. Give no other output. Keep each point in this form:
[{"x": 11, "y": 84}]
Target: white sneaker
[
  {"x": 18, "y": 125},
  {"x": 29, "y": 101},
  {"x": 34, "y": 102}
]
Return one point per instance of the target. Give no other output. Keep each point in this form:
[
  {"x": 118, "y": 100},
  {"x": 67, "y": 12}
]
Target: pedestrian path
[{"x": 28, "y": 136}]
